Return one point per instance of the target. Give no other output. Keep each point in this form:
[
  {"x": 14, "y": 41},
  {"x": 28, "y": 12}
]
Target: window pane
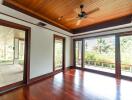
[
  {"x": 126, "y": 55},
  {"x": 21, "y": 52},
  {"x": 100, "y": 54},
  {"x": 78, "y": 53},
  {"x": 6, "y": 46}
]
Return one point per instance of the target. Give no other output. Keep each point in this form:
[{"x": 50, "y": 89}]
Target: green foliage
[
  {"x": 101, "y": 55},
  {"x": 6, "y": 61},
  {"x": 102, "y": 46},
  {"x": 21, "y": 62},
  {"x": 102, "y": 52},
  {"x": 126, "y": 51},
  {"x": 93, "y": 56},
  {"x": 126, "y": 42},
  {"x": 90, "y": 56}
]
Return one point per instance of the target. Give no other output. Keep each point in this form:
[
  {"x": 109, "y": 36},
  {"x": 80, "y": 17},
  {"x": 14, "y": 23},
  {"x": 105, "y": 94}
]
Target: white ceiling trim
[{"x": 110, "y": 30}]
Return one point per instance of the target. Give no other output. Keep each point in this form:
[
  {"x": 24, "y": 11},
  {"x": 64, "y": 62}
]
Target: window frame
[{"x": 117, "y": 73}]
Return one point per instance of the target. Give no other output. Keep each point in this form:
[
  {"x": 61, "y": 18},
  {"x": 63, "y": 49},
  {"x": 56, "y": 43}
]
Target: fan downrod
[{"x": 81, "y": 6}]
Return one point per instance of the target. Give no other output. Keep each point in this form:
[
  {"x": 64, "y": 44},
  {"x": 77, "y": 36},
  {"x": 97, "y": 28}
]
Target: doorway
[
  {"x": 14, "y": 55},
  {"x": 59, "y": 53}
]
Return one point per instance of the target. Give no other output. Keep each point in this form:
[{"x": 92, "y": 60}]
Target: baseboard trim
[
  {"x": 68, "y": 68},
  {"x": 126, "y": 78},
  {"x": 104, "y": 73},
  {"x": 11, "y": 87},
  {"x": 96, "y": 71},
  {"x": 35, "y": 80},
  {"x": 43, "y": 77},
  {"x": 46, "y": 76}
]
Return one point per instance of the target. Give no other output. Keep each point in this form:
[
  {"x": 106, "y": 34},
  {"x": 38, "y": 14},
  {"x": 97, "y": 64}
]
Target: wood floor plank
[{"x": 74, "y": 85}]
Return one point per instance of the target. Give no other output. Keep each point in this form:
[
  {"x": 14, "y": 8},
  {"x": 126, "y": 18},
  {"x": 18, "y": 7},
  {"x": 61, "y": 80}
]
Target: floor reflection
[{"x": 74, "y": 85}]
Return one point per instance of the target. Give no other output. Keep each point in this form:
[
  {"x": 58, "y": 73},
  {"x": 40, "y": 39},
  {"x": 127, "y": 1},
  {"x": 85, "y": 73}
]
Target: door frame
[
  {"x": 63, "y": 52},
  {"x": 26, "y": 76},
  {"x": 119, "y": 59}
]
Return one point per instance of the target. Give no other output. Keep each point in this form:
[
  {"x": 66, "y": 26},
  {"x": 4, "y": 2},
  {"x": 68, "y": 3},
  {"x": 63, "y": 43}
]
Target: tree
[
  {"x": 102, "y": 46},
  {"x": 125, "y": 43}
]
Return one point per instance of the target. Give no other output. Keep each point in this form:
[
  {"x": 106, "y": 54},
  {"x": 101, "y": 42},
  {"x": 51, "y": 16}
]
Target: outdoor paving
[
  {"x": 107, "y": 70},
  {"x": 10, "y": 74}
]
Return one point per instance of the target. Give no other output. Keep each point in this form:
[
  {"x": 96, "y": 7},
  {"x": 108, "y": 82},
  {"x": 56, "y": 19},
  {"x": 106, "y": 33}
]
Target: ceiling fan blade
[
  {"x": 70, "y": 19},
  {"x": 77, "y": 11},
  {"x": 78, "y": 22},
  {"x": 92, "y": 11},
  {"x": 90, "y": 19}
]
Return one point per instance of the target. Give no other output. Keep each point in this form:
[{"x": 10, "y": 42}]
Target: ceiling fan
[{"x": 82, "y": 14}]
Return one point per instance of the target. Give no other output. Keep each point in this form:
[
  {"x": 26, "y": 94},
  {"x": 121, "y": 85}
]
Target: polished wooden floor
[{"x": 74, "y": 85}]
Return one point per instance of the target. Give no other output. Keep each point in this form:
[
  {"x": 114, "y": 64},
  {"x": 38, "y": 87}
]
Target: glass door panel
[
  {"x": 78, "y": 53},
  {"x": 21, "y": 52},
  {"x": 126, "y": 55},
  {"x": 99, "y": 53},
  {"x": 10, "y": 70},
  {"x": 58, "y": 53}
]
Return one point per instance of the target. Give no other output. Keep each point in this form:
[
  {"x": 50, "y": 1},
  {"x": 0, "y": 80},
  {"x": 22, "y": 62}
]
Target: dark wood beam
[{"x": 106, "y": 24}]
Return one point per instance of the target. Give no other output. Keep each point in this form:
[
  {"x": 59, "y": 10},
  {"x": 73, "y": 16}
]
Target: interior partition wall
[{"x": 109, "y": 54}]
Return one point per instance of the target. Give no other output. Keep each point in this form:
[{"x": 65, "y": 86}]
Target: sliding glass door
[
  {"x": 111, "y": 54},
  {"x": 126, "y": 55},
  {"x": 11, "y": 56},
  {"x": 99, "y": 53},
  {"x": 78, "y": 53},
  {"x": 58, "y": 52}
]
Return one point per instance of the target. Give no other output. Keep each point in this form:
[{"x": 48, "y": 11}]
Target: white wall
[
  {"x": 41, "y": 59},
  {"x": 42, "y": 51}
]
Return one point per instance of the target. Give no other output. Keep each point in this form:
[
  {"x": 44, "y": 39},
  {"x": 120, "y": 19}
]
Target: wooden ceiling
[{"x": 51, "y": 10}]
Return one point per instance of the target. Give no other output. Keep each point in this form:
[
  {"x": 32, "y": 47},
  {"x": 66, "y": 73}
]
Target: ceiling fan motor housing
[{"x": 82, "y": 14}]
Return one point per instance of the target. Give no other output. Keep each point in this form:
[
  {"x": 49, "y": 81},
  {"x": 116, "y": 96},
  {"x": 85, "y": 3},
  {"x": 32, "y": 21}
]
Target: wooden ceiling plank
[
  {"x": 23, "y": 9},
  {"x": 51, "y": 10}
]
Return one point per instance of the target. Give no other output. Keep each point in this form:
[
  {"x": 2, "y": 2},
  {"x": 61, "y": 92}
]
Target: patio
[
  {"x": 109, "y": 70},
  {"x": 10, "y": 74}
]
